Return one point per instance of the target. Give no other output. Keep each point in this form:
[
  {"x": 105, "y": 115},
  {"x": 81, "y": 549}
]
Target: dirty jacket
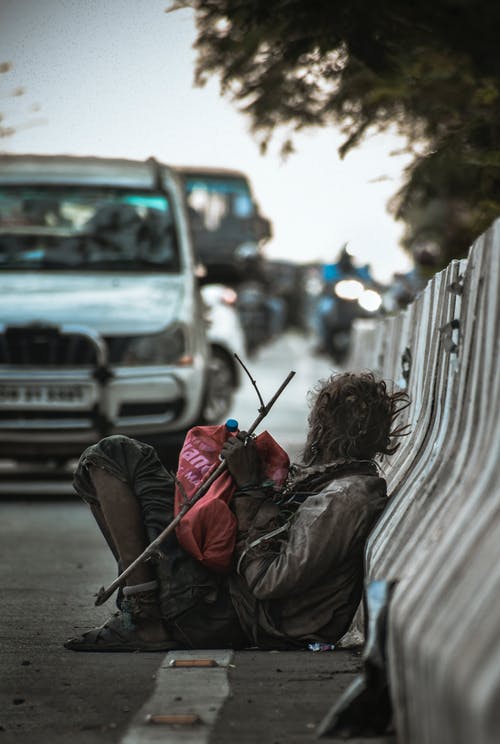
[{"x": 300, "y": 578}]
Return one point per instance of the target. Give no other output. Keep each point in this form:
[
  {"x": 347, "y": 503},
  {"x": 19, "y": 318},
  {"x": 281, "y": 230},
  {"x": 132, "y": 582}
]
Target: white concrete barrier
[{"x": 440, "y": 535}]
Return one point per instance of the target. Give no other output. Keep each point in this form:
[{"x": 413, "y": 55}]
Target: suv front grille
[
  {"x": 153, "y": 408},
  {"x": 45, "y": 346},
  {"x": 43, "y": 416}
]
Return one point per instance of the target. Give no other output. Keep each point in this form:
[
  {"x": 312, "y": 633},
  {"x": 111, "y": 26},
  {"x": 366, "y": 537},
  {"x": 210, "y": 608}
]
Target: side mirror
[{"x": 263, "y": 228}]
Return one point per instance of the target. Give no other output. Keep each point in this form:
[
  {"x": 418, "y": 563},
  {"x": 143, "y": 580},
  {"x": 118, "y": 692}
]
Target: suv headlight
[{"x": 167, "y": 347}]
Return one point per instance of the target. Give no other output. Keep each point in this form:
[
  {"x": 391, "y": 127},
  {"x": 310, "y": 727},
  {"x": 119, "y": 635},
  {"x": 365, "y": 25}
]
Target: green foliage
[
  {"x": 431, "y": 69},
  {"x": 8, "y": 93}
]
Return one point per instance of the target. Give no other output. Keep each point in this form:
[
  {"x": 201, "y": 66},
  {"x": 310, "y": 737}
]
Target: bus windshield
[
  {"x": 221, "y": 212},
  {"x": 218, "y": 200}
]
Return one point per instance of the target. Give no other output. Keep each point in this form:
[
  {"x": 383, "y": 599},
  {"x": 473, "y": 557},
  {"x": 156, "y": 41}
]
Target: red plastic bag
[{"x": 208, "y": 530}]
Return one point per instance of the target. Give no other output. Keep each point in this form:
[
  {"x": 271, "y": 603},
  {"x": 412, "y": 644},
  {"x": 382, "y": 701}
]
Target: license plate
[{"x": 44, "y": 395}]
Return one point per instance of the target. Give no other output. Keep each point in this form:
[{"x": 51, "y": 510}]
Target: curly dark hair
[{"x": 352, "y": 418}]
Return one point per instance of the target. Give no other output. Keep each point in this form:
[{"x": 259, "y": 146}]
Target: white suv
[{"x": 101, "y": 320}]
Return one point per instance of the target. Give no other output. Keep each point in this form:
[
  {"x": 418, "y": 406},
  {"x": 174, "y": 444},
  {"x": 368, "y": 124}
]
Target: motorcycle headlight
[
  {"x": 370, "y": 300},
  {"x": 167, "y": 347},
  {"x": 348, "y": 289}
]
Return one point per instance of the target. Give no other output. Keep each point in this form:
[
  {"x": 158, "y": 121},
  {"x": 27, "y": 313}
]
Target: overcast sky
[{"x": 115, "y": 77}]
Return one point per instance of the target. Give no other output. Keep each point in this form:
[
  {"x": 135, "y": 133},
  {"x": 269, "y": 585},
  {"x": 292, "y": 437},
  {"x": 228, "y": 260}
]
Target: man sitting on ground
[{"x": 297, "y": 575}]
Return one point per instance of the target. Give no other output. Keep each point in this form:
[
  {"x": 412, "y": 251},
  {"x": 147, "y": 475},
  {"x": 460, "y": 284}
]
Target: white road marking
[{"x": 179, "y": 690}]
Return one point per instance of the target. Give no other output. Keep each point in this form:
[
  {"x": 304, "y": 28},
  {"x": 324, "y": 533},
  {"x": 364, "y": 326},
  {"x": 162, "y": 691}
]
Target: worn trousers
[{"x": 195, "y": 602}]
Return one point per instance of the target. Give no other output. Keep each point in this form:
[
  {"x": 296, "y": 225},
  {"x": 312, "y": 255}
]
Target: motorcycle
[{"x": 349, "y": 300}]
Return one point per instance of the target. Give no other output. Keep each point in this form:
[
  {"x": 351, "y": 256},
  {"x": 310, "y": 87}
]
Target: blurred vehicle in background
[
  {"x": 228, "y": 235},
  {"x": 348, "y": 292},
  {"x": 403, "y": 290},
  {"x": 285, "y": 285},
  {"x": 256, "y": 315},
  {"x": 227, "y": 227},
  {"x": 101, "y": 318},
  {"x": 312, "y": 286},
  {"x": 352, "y": 299},
  {"x": 226, "y": 338}
]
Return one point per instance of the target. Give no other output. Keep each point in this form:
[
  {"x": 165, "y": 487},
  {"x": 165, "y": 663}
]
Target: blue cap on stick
[{"x": 232, "y": 425}]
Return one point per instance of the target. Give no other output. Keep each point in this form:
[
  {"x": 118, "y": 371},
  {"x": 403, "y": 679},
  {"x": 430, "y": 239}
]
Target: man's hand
[{"x": 242, "y": 458}]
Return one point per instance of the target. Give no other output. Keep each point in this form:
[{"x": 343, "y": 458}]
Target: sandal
[{"x": 117, "y": 634}]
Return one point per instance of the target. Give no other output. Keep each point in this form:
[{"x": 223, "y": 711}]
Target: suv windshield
[{"x": 92, "y": 228}]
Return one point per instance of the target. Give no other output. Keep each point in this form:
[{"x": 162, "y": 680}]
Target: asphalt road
[{"x": 53, "y": 560}]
